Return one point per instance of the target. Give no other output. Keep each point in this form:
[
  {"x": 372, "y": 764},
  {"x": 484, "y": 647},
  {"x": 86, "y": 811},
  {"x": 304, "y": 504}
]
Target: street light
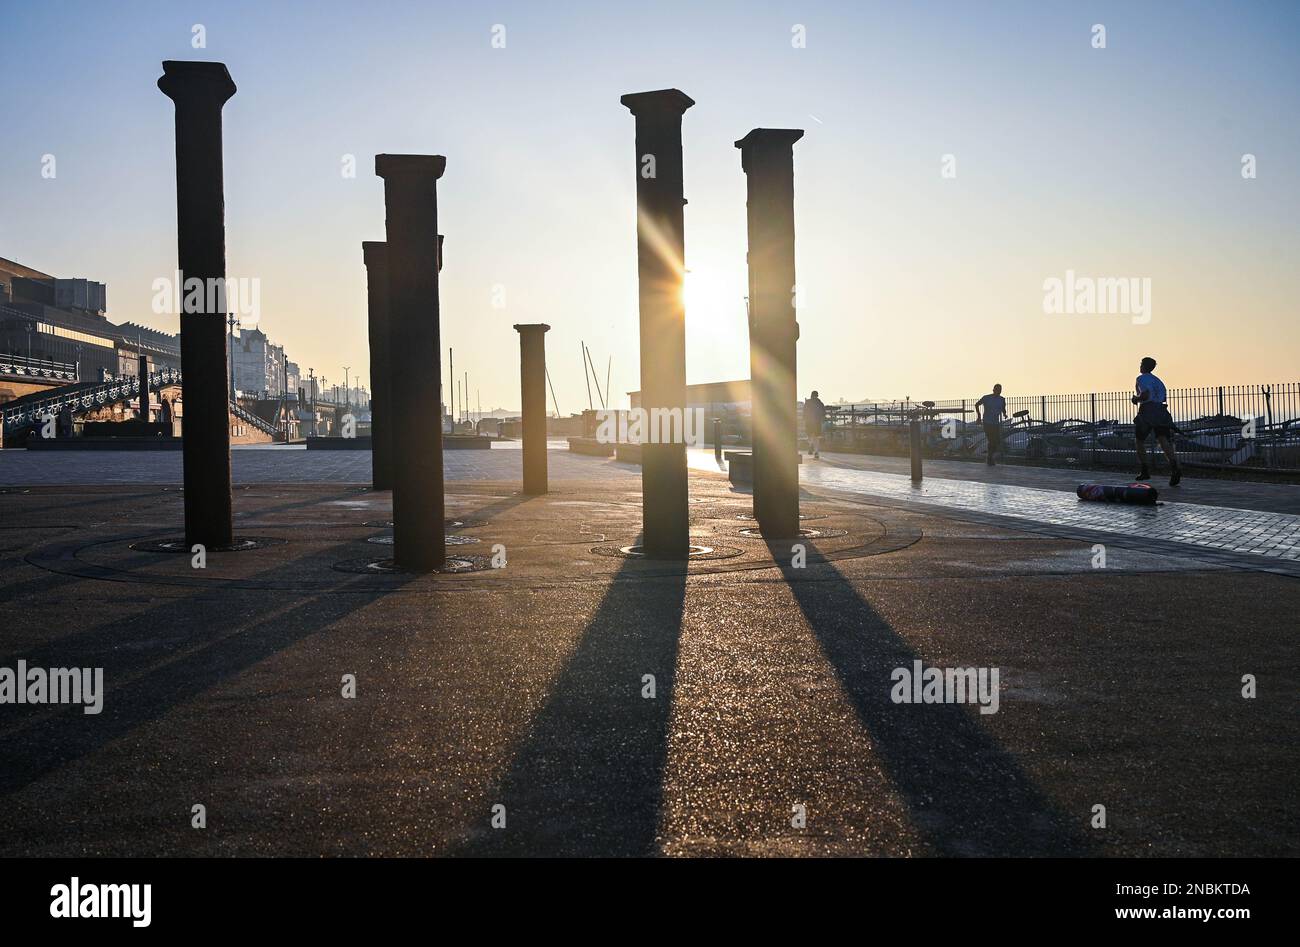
[
  {"x": 232, "y": 321},
  {"x": 347, "y": 395}
]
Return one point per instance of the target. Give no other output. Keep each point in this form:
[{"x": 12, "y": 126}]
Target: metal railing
[
  {"x": 84, "y": 397},
  {"x": 1229, "y": 426},
  {"x": 22, "y": 366},
  {"x": 250, "y": 418}
]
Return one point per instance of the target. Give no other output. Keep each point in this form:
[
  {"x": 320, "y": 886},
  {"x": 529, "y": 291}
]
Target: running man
[
  {"x": 1153, "y": 415},
  {"x": 994, "y": 409},
  {"x": 814, "y": 418}
]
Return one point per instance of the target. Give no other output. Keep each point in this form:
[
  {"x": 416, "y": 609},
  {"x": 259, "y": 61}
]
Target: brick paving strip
[{"x": 1251, "y": 539}]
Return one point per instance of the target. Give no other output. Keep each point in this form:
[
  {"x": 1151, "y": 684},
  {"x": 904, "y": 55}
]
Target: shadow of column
[
  {"x": 966, "y": 794},
  {"x": 155, "y": 680},
  {"x": 588, "y": 777}
]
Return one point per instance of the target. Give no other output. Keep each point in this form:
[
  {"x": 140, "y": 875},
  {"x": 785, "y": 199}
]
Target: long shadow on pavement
[
  {"x": 966, "y": 794},
  {"x": 588, "y": 777},
  {"x": 217, "y": 647}
]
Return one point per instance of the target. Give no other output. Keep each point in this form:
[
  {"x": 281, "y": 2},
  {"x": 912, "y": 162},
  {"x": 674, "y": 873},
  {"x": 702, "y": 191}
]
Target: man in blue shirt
[
  {"x": 1153, "y": 415},
  {"x": 994, "y": 409}
]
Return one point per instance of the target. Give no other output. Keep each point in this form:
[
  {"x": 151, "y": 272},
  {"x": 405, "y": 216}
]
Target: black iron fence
[
  {"x": 20, "y": 366},
  {"x": 1232, "y": 426}
]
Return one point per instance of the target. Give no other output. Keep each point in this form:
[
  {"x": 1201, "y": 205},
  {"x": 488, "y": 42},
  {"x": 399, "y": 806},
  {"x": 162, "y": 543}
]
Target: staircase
[
  {"x": 253, "y": 420},
  {"x": 30, "y": 410}
]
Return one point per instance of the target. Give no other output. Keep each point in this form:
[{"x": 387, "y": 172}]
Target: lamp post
[
  {"x": 232, "y": 321},
  {"x": 347, "y": 395}
]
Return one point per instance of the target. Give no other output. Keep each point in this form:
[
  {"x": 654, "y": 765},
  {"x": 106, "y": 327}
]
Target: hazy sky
[{"x": 1117, "y": 162}]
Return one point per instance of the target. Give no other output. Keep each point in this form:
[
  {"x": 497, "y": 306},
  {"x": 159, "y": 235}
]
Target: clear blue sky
[{"x": 1120, "y": 162}]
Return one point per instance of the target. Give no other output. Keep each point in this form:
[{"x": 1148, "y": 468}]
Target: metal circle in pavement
[
  {"x": 241, "y": 544},
  {"x": 753, "y": 532},
  {"x": 462, "y": 523},
  {"x": 449, "y": 540},
  {"x": 452, "y": 566},
  {"x": 697, "y": 552}
]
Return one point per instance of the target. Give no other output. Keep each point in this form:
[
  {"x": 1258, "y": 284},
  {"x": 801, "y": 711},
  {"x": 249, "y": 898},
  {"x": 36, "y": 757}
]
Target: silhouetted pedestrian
[
  {"x": 814, "y": 419},
  {"x": 1153, "y": 415},
  {"x": 993, "y": 408}
]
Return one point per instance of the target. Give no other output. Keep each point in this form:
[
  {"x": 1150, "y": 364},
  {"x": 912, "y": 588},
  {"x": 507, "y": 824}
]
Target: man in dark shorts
[
  {"x": 1153, "y": 416},
  {"x": 994, "y": 408},
  {"x": 814, "y": 420}
]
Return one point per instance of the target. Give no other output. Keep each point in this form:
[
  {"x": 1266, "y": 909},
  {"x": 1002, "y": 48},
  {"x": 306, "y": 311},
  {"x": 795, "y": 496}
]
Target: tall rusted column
[
  {"x": 661, "y": 255},
  {"x": 143, "y": 372},
  {"x": 199, "y": 90},
  {"x": 532, "y": 384},
  {"x": 415, "y": 375},
  {"x": 767, "y": 157},
  {"x": 381, "y": 418}
]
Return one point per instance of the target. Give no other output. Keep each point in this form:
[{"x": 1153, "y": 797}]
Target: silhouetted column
[
  {"x": 660, "y": 268},
  {"x": 411, "y": 204},
  {"x": 767, "y": 157},
  {"x": 914, "y": 447},
  {"x": 532, "y": 384},
  {"x": 199, "y": 90},
  {"x": 381, "y": 426},
  {"x": 143, "y": 371}
]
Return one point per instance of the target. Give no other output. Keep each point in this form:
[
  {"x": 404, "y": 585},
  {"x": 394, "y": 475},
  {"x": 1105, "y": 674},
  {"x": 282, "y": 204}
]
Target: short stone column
[{"x": 532, "y": 384}]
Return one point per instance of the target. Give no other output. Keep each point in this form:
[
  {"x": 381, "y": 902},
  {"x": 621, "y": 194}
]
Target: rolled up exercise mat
[{"x": 1114, "y": 493}]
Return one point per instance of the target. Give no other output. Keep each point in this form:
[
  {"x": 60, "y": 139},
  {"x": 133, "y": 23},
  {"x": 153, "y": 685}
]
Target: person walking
[
  {"x": 993, "y": 408},
  {"x": 814, "y": 419},
  {"x": 1153, "y": 416}
]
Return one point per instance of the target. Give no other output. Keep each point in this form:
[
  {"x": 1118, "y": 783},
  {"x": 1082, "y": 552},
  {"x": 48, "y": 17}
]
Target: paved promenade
[
  {"x": 743, "y": 703},
  {"x": 1253, "y": 525}
]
